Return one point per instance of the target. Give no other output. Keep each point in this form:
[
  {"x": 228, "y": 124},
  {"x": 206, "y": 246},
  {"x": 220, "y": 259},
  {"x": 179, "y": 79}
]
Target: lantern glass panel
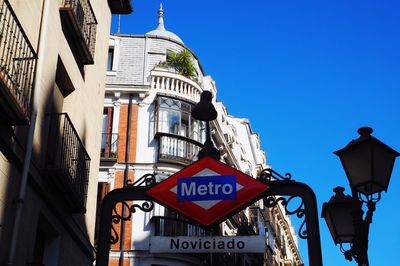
[
  {"x": 357, "y": 164},
  {"x": 383, "y": 161},
  {"x": 341, "y": 218},
  {"x": 329, "y": 223}
]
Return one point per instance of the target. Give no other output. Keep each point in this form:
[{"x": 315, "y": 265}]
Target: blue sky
[{"x": 307, "y": 74}]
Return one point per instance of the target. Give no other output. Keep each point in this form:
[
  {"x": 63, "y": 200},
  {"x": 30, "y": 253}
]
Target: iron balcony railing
[
  {"x": 246, "y": 229},
  {"x": 120, "y": 7},
  {"x": 82, "y": 24},
  {"x": 109, "y": 146},
  {"x": 68, "y": 162},
  {"x": 177, "y": 149},
  {"x": 171, "y": 226},
  {"x": 17, "y": 68}
]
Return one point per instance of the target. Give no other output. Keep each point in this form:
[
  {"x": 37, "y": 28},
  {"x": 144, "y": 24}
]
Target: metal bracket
[{"x": 283, "y": 189}]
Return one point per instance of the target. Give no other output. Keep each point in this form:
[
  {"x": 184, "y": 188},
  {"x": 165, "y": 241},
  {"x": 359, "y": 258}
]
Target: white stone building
[{"x": 147, "y": 128}]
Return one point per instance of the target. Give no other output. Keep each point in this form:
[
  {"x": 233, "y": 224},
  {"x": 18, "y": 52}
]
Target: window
[
  {"x": 109, "y": 140},
  {"x": 270, "y": 240},
  {"x": 63, "y": 87},
  {"x": 174, "y": 118},
  {"x": 110, "y": 61},
  {"x": 113, "y": 56},
  {"x": 63, "y": 80},
  {"x": 106, "y": 129}
]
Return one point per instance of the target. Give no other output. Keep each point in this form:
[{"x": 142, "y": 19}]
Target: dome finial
[
  {"x": 160, "y": 31},
  {"x": 161, "y": 18}
]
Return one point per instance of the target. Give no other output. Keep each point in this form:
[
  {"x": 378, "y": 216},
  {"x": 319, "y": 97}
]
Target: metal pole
[
  {"x": 359, "y": 249},
  {"x": 208, "y": 148},
  {"x": 29, "y": 146}
]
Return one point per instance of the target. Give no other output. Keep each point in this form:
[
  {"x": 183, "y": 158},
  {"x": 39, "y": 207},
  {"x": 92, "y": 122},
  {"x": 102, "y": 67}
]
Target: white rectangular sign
[{"x": 207, "y": 244}]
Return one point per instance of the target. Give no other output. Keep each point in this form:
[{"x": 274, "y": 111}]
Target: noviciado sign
[{"x": 207, "y": 244}]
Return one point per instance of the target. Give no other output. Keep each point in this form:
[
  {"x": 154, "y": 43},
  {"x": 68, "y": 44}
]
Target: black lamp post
[
  {"x": 205, "y": 111},
  {"x": 368, "y": 164}
]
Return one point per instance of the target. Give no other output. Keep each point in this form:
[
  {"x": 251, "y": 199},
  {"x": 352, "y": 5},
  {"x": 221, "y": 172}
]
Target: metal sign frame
[{"x": 282, "y": 190}]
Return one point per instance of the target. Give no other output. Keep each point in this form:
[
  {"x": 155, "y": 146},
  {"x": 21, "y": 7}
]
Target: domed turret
[{"x": 161, "y": 31}]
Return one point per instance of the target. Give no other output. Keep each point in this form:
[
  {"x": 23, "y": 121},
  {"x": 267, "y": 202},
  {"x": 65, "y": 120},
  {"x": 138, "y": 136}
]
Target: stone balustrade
[{"x": 175, "y": 84}]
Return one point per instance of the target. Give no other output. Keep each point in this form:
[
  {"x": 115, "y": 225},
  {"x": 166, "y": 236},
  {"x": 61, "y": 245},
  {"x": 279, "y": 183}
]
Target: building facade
[
  {"x": 53, "y": 57},
  {"x": 148, "y": 128}
]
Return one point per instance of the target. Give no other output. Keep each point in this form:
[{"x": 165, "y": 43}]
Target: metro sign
[{"x": 207, "y": 191}]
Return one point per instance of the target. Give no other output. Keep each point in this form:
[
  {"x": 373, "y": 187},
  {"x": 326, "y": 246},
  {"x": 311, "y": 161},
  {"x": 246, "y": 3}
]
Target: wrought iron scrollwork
[
  {"x": 272, "y": 201},
  {"x": 146, "y": 180},
  {"x": 122, "y": 211},
  {"x": 119, "y": 216},
  {"x": 270, "y": 175}
]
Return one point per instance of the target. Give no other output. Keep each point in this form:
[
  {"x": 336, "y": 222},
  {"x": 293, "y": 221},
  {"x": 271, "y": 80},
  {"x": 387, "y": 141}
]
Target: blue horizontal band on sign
[{"x": 201, "y": 188}]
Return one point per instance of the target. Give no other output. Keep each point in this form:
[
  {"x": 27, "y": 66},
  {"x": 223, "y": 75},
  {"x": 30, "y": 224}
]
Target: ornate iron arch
[{"x": 283, "y": 189}]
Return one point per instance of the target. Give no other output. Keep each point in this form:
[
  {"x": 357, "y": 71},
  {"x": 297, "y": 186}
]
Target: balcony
[
  {"x": 109, "y": 146},
  {"x": 171, "y": 226},
  {"x": 246, "y": 229},
  {"x": 68, "y": 162},
  {"x": 175, "y": 226},
  {"x": 120, "y": 7},
  {"x": 174, "y": 84},
  {"x": 17, "y": 68},
  {"x": 177, "y": 149},
  {"x": 80, "y": 23}
]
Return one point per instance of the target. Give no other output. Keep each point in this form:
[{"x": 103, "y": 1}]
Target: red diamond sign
[{"x": 207, "y": 191}]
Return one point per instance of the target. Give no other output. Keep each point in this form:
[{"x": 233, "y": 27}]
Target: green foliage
[{"x": 181, "y": 62}]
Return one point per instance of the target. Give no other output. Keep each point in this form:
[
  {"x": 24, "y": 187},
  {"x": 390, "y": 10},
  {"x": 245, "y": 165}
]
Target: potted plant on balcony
[{"x": 181, "y": 62}]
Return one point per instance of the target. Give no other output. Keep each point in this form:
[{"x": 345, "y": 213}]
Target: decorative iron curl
[
  {"x": 146, "y": 180},
  {"x": 272, "y": 201},
  {"x": 117, "y": 217},
  {"x": 270, "y": 175}
]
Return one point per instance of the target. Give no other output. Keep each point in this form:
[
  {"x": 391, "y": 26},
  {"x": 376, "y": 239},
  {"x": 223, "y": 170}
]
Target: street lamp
[
  {"x": 368, "y": 164},
  {"x": 338, "y": 215},
  {"x": 205, "y": 111}
]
